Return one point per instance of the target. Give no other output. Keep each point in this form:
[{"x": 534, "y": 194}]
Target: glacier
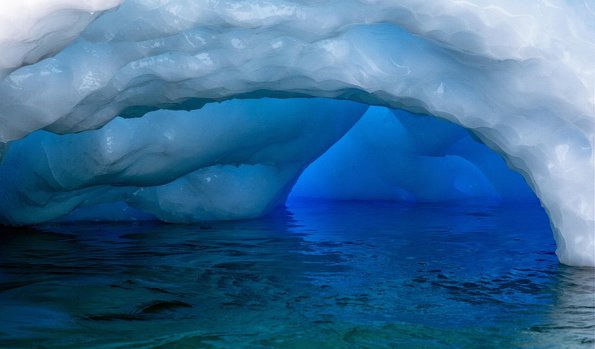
[{"x": 119, "y": 101}]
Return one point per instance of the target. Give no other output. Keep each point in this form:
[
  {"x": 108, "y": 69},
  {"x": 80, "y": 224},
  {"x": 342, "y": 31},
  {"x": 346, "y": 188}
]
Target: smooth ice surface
[
  {"x": 397, "y": 156},
  {"x": 519, "y": 75}
]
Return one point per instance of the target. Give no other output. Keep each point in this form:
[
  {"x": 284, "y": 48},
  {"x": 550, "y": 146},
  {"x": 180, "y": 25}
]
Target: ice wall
[
  {"x": 519, "y": 75},
  {"x": 398, "y": 156},
  {"x": 230, "y": 160}
]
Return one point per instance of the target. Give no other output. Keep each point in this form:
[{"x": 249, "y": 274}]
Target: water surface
[{"x": 315, "y": 275}]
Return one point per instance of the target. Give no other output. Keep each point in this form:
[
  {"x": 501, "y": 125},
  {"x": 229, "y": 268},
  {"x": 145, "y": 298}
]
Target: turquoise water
[{"x": 315, "y": 275}]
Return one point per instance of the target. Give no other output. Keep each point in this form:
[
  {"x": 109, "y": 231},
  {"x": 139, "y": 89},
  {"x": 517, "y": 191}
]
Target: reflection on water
[{"x": 349, "y": 275}]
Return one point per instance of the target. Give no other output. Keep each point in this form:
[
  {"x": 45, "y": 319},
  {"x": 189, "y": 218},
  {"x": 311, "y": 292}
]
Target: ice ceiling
[{"x": 519, "y": 76}]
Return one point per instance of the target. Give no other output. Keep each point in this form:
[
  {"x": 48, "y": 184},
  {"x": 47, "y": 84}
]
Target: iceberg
[{"x": 89, "y": 92}]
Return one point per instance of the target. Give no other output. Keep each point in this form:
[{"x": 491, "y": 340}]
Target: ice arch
[{"x": 519, "y": 76}]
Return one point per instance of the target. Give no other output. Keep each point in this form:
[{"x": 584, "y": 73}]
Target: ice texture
[
  {"x": 230, "y": 160},
  {"x": 397, "y": 156},
  {"x": 520, "y": 76},
  {"x": 31, "y": 30}
]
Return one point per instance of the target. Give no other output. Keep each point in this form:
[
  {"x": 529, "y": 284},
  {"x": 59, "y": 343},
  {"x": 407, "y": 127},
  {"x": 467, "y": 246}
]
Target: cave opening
[
  {"x": 250, "y": 154},
  {"x": 415, "y": 244}
]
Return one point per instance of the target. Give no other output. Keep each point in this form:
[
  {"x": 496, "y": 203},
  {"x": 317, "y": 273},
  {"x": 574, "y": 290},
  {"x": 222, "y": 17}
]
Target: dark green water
[{"x": 349, "y": 275}]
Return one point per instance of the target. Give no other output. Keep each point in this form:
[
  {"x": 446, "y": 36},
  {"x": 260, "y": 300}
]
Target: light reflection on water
[{"x": 350, "y": 275}]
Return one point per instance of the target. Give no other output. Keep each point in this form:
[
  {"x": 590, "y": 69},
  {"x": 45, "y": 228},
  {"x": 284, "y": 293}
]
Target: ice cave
[{"x": 200, "y": 114}]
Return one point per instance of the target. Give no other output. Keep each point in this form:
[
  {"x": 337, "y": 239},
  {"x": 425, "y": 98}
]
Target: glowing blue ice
[{"x": 394, "y": 155}]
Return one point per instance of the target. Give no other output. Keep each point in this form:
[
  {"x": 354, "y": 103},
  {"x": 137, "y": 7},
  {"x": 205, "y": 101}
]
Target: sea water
[{"x": 313, "y": 275}]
